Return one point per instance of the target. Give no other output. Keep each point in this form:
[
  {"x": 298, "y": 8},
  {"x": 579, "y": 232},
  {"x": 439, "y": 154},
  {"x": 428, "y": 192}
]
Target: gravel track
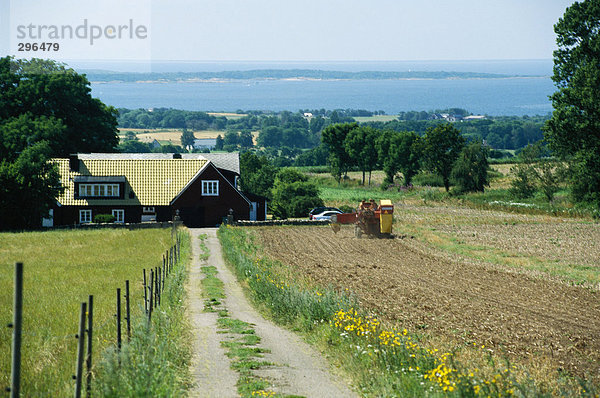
[{"x": 299, "y": 369}]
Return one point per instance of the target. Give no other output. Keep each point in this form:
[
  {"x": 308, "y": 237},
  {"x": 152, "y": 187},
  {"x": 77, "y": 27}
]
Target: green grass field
[
  {"x": 61, "y": 268},
  {"x": 375, "y": 118}
]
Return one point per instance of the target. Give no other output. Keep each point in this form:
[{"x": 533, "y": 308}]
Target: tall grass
[
  {"x": 61, "y": 268},
  {"x": 155, "y": 363},
  {"x": 287, "y": 302}
]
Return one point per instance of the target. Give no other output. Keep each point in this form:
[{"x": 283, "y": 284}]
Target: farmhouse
[{"x": 135, "y": 188}]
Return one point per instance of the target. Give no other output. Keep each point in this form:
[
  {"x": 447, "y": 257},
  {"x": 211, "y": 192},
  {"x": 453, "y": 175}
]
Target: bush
[
  {"x": 426, "y": 178},
  {"x": 104, "y": 218}
]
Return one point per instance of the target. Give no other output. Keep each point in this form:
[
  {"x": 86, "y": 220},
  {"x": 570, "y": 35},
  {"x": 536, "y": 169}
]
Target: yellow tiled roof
[{"x": 155, "y": 182}]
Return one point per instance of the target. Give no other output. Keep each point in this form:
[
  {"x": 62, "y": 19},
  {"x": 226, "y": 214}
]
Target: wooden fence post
[
  {"x": 145, "y": 293},
  {"x": 157, "y": 287},
  {"x": 151, "y": 298},
  {"x": 127, "y": 310},
  {"x": 17, "y": 325},
  {"x": 80, "y": 345},
  {"x": 90, "y": 329},
  {"x": 119, "y": 319}
]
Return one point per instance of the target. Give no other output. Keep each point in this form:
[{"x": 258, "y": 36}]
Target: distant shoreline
[
  {"x": 262, "y": 75},
  {"x": 298, "y": 79}
]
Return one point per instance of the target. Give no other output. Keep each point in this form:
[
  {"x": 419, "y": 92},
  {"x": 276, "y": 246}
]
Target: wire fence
[{"x": 153, "y": 285}]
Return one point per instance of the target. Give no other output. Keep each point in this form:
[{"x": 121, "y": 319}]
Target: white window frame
[
  {"x": 119, "y": 215},
  {"x": 148, "y": 210},
  {"x": 99, "y": 190},
  {"x": 85, "y": 216},
  {"x": 210, "y": 187}
]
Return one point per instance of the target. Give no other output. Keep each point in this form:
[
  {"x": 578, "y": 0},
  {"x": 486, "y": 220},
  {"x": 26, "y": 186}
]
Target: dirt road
[{"x": 299, "y": 369}]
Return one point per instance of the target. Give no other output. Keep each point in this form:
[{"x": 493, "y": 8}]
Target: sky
[{"x": 281, "y": 30}]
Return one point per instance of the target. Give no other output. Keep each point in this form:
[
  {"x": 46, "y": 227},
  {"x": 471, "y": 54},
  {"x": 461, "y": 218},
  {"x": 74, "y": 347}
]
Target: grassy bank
[
  {"x": 155, "y": 362},
  {"x": 381, "y": 359},
  {"x": 61, "y": 268}
]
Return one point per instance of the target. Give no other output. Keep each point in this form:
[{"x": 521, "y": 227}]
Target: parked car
[
  {"x": 321, "y": 209},
  {"x": 326, "y": 215}
]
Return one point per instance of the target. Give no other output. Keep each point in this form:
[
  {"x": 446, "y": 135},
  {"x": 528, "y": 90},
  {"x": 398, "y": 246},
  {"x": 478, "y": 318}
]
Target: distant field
[
  {"x": 228, "y": 115},
  {"x": 61, "y": 268},
  {"x": 375, "y": 118},
  {"x": 165, "y": 136}
]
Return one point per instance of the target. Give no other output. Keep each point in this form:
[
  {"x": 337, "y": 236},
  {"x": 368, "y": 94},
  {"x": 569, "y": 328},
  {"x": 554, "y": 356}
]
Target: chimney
[{"x": 73, "y": 162}]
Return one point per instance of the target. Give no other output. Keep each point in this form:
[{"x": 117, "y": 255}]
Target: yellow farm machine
[{"x": 369, "y": 219}]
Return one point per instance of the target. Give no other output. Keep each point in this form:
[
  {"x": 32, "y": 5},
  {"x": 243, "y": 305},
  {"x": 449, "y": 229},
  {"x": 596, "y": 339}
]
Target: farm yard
[{"x": 524, "y": 287}]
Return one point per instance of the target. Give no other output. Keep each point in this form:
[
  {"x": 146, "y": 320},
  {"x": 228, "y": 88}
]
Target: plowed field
[{"x": 516, "y": 315}]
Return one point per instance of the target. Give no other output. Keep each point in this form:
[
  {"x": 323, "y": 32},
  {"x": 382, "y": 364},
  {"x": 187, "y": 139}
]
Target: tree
[
  {"x": 334, "y": 136},
  {"x": 573, "y": 132},
  {"x": 46, "y": 88},
  {"x": 390, "y": 163},
  {"x": 406, "y": 149},
  {"x": 257, "y": 174},
  {"x": 219, "y": 142},
  {"x": 46, "y": 110},
  {"x": 293, "y": 195},
  {"x": 470, "y": 171},
  {"x": 361, "y": 149},
  {"x": 187, "y": 138},
  {"x": 440, "y": 149}
]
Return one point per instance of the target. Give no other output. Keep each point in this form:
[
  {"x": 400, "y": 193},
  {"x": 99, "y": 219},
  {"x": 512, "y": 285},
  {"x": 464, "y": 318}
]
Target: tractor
[{"x": 369, "y": 219}]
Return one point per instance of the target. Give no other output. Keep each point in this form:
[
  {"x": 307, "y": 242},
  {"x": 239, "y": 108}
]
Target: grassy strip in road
[{"x": 241, "y": 341}]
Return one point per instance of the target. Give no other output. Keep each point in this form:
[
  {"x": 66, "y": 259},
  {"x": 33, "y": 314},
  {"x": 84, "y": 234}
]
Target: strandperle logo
[{"x": 84, "y": 31}]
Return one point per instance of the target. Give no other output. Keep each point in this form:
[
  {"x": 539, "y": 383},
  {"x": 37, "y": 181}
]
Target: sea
[{"x": 526, "y": 92}]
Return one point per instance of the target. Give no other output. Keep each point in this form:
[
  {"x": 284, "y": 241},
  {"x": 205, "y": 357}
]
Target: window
[
  {"x": 99, "y": 190},
  {"x": 148, "y": 209},
  {"x": 85, "y": 216},
  {"x": 119, "y": 215},
  {"x": 210, "y": 188}
]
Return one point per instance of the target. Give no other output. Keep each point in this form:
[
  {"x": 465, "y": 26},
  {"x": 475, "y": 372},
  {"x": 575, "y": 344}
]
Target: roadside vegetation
[
  {"x": 156, "y": 361},
  {"x": 61, "y": 268}
]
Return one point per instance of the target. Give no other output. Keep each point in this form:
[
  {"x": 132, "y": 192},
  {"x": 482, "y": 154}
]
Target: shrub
[{"x": 104, "y": 218}]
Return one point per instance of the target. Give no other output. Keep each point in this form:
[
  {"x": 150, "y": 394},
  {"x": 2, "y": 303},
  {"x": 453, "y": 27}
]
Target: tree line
[{"x": 441, "y": 150}]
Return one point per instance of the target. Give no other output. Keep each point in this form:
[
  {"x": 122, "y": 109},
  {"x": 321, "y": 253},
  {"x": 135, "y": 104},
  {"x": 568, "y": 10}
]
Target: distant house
[
  {"x": 150, "y": 187},
  {"x": 205, "y": 143}
]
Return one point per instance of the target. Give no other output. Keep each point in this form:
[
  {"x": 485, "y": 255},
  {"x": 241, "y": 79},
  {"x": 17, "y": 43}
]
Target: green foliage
[
  {"x": 399, "y": 151},
  {"x": 334, "y": 137},
  {"x": 534, "y": 174},
  {"x": 104, "y": 218},
  {"x": 585, "y": 177},
  {"x": 361, "y": 149},
  {"x": 573, "y": 132},
  {"x": 46, "y": 111},
  {"x": 440, "y": 148},
  {"x": 257, "y": 174},
  {"x": 293, "y": 195},
  {"x": 187, "y": 138},
  {"x": 29, "y": 186},
  {"x": 522, "y": 186},
  {"x": 470, "y": 171},
  {"x": 219, "y": 142}
]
